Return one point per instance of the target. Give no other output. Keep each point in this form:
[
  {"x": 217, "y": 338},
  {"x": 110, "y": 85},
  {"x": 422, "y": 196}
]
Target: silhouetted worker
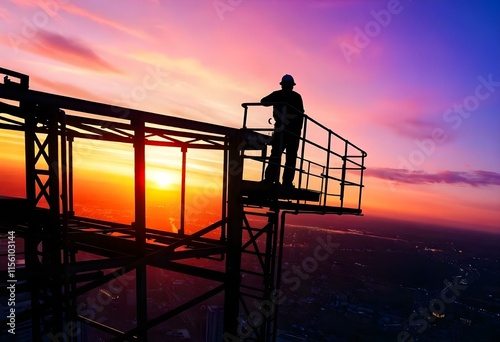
[{"x": 288, "y": 124}]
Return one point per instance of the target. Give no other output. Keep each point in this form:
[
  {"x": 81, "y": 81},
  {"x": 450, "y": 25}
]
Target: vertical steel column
[
  {"x": 71, "y": 211},
  {"x": 140, "y": 224},
  {"x": 234, "y": 238},
  {"x": 269, "y": 272},
  {"x": 51, "y": 243},
  {"x": 279, "y": 266},
  {"x": 183, "y": 190},
  {"x": 29, "y": 150},
  {"x": 69, "y": 303},
  {"x": 52, "y": 117},
  {"x": 32, "y": 239},
  {"x": 33, "y": 266},
  {"x": 224, "y": 190}
]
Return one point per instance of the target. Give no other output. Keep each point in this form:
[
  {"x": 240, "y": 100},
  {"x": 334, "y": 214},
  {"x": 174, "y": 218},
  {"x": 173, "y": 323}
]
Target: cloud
[
  {"x": 415, "y": 128},
  {"x": 23, "y": 3},
  {"x": 71, "y": 51},
  {"x": 416, "y": 117},
  {"x": 475, "y": 178},
  {"x": 66, "y": 89},
  {"x": 4, "y": 14},
  {"x": 73, "y": 9},
  {"x": 53, "y": 9}
]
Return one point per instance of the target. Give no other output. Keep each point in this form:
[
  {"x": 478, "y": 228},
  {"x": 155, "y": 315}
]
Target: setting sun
[{"x": 160, "y": 179}]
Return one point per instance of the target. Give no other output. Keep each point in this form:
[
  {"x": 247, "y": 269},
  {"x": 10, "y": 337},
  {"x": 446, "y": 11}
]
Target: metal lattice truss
[
  {"x": 248, "y": 254},
  {"x": 80, "y": 126}
]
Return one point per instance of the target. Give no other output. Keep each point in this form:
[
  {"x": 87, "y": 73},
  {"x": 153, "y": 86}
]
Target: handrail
[
  {"x": 307, "y": 117},
  {"x": 341, "y": 168}
]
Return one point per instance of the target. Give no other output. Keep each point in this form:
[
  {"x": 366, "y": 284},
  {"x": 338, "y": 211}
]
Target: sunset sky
[{"x": 414, "y": 83}]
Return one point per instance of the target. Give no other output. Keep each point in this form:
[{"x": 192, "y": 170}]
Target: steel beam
[{"x": 234, "y": 238}]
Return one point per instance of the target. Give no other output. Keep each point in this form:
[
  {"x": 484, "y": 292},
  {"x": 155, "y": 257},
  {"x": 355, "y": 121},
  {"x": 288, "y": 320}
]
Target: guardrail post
[
  {"x": 342, "y": 182},
  {"x": 304, "y": 132},
  {"x": 245, "y": 114},
  {"x": 327, "y": 166},
  {"x": 363, "y": 155}
]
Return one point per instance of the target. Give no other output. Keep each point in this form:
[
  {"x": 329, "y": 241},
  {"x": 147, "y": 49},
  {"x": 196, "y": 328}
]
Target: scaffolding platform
[
  {"x": 111, "y": 239},
  {"x": 276, "y": 197},
  {"x": 242, "y": 250},
  {"x": 262, "y": 190}
]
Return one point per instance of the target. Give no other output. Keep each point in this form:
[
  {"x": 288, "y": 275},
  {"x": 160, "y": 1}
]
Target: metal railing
[{"x": 327, "y": 162}]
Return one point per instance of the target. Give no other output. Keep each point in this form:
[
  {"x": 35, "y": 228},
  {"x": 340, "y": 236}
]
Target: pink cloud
[
  {"x": 4, "y": 14},
  {"x": 53, "y": 10},
  {"x": 75, "y": 52},
  {"x": 24, "y": 3},
  {"x": 421, "y": 129},
  {"x": 82, "y": 12},
  {"x": 475, "y": 178},
  {"x": 415, "y": 117},
  {"x": 65, "y": 89}
]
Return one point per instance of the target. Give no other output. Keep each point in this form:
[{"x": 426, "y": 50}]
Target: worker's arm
[{"x": 269, "y": 99}]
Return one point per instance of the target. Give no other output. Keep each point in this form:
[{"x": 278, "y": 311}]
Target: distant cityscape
[
  {"x": 411, "y": 286},
  {"x": 378, "y": 284}
]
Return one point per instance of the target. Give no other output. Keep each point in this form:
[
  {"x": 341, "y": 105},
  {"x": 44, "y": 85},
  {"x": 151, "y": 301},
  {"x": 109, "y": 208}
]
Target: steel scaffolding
[{"x": 53, "y": 233}]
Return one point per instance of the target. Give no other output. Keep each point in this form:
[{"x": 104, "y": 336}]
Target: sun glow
[{"x": 160, "y": 179}]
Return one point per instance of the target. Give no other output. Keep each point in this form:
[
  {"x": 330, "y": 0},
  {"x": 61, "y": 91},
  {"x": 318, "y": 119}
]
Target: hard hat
[{"x": 287, "y": 79}]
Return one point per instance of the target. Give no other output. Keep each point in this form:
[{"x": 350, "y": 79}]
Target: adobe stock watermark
[
  {"x": 47, "y": 11},
  {"x": 263, "y": 310},
  {"x": 364, "y": 36},
  {"x": 223, "y": 6},
  {"x": 453, "y": 117},
  {"x": 420, "y": 321},
  {"x": 11, "y": 281}
]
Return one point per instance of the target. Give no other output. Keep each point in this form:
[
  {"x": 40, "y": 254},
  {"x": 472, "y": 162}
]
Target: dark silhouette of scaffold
[{"x": 330, "y": 181}]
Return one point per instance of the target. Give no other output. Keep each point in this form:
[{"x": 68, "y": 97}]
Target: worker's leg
[
  {"x": 292, "y": 145},
  {"x": 273, "y": 168}
]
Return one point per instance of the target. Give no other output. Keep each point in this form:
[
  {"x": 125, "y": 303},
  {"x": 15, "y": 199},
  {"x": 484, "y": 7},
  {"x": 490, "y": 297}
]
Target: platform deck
[{"x": 277, "y": 197}]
